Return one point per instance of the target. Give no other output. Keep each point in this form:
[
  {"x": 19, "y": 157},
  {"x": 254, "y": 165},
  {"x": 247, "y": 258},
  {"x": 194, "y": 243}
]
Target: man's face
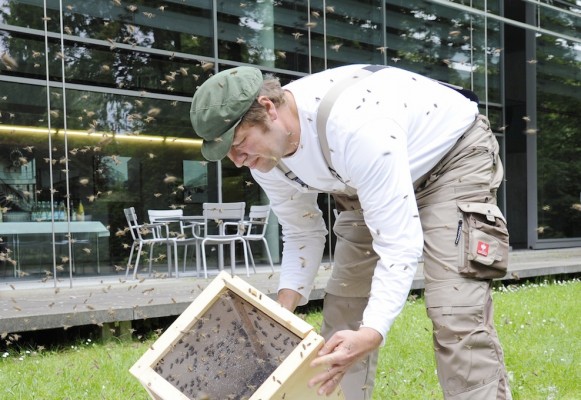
[{"x": 259, "y": 147}]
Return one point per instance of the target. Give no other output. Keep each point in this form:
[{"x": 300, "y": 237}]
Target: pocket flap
[
  {"x": 456, "y": 294},
  {"x": 489, "y": 210}
]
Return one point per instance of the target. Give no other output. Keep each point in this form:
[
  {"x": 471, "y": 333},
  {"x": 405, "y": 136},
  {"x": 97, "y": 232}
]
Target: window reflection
[
  {"x": 175, "y": 26},
  {"x": 100, "y": 174},
  {"x": 103, "y": 65},
  {"x": 17, "y": 182},
  {"x": 445, "y": 44},
  {"x": 131, "y": 68},
  {"x": 195, "y": 181},
  {"x": 558, "y": 138}
]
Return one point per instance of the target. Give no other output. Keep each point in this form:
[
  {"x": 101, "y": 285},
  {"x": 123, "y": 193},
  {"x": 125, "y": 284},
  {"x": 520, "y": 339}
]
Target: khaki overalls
[{"x": 462, "y": 187}]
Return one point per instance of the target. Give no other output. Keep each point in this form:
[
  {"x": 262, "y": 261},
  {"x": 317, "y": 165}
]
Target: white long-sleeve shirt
[{"x": 384, "y": 132}]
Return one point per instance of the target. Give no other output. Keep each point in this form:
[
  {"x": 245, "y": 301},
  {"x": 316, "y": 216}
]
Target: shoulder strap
[
  {"x": 325, "y": 109},
  {"x": 289, "y": 174},
  {"x": 469, "y": 94},
  {"x": 334, "y": 93}
]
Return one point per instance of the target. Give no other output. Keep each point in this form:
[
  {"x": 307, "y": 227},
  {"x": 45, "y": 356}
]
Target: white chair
[
  {"x": 174, "y": 215},
  {"x": 219, "y": 218},
  {"x": 144, "y": 235},
  {"x": 182, "y": 239},
  {"x": 169, "y": 217},
  {"x": 255, "y": 230}
]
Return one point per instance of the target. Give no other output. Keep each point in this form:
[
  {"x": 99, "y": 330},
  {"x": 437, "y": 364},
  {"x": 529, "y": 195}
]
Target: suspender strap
[
  {"x": 322, "y": 116},
  {"x": 325, "y": 109},
  {"x": 289, "y": 174},
  {"x": 469, "y": 94}
]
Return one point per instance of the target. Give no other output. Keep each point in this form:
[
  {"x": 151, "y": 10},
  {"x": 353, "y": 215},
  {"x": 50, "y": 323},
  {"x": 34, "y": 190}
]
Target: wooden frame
[{"x": 232, "y": 342}]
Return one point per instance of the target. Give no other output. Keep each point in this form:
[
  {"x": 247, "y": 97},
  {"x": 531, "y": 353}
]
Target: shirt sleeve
[
  {"x": 376, "y": 163},
  {"x": 303, "y": 233}
]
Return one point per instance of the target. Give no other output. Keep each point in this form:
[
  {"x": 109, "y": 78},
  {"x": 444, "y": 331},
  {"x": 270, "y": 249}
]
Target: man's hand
[{"x": 343, "y": 350}]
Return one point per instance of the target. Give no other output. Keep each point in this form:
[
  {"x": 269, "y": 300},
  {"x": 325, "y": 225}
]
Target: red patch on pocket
[{"x": 483, "y": 249}]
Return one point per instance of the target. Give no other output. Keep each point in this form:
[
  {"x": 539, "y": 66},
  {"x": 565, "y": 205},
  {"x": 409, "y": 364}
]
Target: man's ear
[{"x": 269, "y": 106}]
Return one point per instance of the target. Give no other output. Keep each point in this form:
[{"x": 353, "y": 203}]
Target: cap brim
[{"x": 215, "y": 150}]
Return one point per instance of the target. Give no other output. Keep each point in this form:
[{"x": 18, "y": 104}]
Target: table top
[
  {"x": 30, "y": 228},
  {"x": 183, "y": 218}
]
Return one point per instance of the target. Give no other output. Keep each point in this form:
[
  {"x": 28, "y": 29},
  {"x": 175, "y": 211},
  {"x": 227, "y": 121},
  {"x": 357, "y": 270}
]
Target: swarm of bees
[{"x": 228, "y": 352}]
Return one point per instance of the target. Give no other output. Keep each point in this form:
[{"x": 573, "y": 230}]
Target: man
[{"x": 419, "y": 158}]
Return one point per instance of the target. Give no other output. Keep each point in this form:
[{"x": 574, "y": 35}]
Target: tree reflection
[{"x": 558, "y": 138}]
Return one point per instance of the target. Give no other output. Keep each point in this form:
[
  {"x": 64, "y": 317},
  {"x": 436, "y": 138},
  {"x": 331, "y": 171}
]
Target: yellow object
[{"x": 81, "y": 212}]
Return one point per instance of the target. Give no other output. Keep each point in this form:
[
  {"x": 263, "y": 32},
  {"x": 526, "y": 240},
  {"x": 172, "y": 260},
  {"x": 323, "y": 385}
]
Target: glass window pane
[
  {"x": 173, "y": 26},
  {"x": 562, "y": 17},
  {"x": 491, "y": 6},
  {"x": 271, "y": 34},
  {"x": 354, "y": 33},
  {"x": 111, "y": 157},
  {"x": 104, "y": 66},
  {"x": 444, "y": 44},
  {"x": 29, "y": 14},
  {"x": 558, "y": 138}
]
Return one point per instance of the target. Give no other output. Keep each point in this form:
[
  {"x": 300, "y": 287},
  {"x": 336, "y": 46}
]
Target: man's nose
[{"x": 236, "y": 157}]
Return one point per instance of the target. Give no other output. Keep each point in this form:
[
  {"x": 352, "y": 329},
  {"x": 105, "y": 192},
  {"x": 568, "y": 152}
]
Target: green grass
[{"x": 539, "y": 327}]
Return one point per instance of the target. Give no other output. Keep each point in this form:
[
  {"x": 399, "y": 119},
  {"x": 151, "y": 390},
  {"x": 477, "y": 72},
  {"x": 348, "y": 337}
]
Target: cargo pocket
[{"x": 484, "y": 248}]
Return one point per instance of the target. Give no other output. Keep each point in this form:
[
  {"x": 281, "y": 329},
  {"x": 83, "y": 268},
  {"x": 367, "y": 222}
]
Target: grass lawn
[{"x": 538, "y": 324}]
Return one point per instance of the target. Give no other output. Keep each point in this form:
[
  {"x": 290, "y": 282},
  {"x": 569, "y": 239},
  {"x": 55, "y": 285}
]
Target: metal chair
[
  {"x": 219, "y": 218},
  {"x": 255, "y": 230},
  {"x": 165, "y": 215},
  {"x": 144, "y": 235},
  {"x": 168, "y": 217},
  {"x": 182, "y": 239}
]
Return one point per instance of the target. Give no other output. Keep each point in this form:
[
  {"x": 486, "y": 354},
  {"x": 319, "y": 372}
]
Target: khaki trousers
[
  {"x": 347, "y": 295},
  {"x": 468, "y": 354}
]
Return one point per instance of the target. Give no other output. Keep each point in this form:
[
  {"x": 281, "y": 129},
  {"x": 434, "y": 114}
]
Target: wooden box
[{"x": 232, "y": 342}]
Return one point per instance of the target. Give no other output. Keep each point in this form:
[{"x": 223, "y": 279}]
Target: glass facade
[
  {"x": 94, "y": 107},
  {"x": 558, "y": 123}
]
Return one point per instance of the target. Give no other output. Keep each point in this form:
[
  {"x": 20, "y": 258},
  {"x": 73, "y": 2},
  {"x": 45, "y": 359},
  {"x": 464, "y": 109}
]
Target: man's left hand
[{"x": 341, "y": 351}]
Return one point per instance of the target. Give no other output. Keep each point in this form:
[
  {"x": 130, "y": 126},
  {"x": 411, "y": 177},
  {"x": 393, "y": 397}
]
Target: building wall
[{"x": 94, "y": 106}]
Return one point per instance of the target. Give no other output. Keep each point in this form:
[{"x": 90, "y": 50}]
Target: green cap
[{"x": 218, "y": 106}]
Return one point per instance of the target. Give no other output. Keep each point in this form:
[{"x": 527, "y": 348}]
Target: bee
[
  {"x": 336, "y": 47},
  {"x": 169, "y": 179},
  {"x": 9, "y": 62}
]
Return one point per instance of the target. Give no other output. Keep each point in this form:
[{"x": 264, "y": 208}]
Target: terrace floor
[{"x": 108, "y": 300}]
